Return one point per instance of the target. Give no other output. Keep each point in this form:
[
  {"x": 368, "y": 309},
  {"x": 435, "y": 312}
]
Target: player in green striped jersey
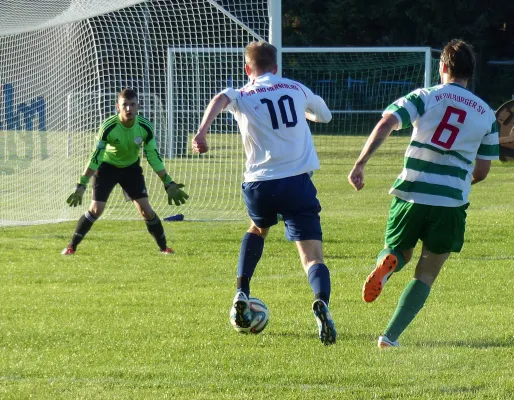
[
  {"x": 116, "y": 160},
  {"x": 454, "y": 139}
]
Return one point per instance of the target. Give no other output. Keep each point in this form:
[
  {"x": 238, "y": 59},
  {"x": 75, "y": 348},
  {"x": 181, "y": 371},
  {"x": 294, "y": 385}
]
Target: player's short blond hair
[
  {"x": 261, "y": 56},
  {"x": 459, "y": 58}
]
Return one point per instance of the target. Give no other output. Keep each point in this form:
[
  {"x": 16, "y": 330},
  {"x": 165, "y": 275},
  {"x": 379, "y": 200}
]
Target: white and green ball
[{"x": 259, "y": 317}]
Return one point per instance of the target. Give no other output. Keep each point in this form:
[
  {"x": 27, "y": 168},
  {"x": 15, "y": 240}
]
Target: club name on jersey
[
  {"x": 272, "y": 88},
  {"x": 461, "y": 99}
]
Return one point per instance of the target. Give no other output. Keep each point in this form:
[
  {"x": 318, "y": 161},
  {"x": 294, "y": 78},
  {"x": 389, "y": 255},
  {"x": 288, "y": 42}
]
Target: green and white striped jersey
[{"x": 451, "y": 128}]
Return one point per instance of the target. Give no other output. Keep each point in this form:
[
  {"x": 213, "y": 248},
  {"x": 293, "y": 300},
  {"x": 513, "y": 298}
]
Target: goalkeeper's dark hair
[
  {"x": 459, "y": 58},
  {"x": 128, "y": 94},
  {"x": 261, "y": 56}
]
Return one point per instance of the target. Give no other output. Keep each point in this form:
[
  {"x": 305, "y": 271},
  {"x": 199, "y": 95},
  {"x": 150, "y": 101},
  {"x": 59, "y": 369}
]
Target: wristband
[
  {"x": 166, "y": 179},
  {"x": 84, "y": 180}
]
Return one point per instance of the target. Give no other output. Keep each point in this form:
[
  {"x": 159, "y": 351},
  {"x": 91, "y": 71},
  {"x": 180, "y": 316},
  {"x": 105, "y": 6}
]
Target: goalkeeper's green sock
[
  {"x": 83, "y": 226},
  {"x": 410, "y": 303},
  {"x": 155, "y": 228}
]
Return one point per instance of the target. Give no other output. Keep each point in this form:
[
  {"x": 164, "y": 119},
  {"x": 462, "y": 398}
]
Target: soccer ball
[{"x": 259, "y": 315}]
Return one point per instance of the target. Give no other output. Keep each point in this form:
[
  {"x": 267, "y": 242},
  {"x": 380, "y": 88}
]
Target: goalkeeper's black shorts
[{"x": 130, "y": 178}]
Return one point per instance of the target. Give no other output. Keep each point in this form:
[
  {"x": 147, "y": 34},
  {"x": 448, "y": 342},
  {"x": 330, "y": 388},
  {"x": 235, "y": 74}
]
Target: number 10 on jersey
[{"x": 283, "y": 102}]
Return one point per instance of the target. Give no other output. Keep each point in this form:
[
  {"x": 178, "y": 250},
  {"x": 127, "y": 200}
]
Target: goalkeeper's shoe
[
  {"x": 68, "y": 251},
  {"x": 242, "y": 315},
  {"x": 326, "y": 326},
  {"x": 384, "y": 342},
  {"x": 377, "y": 279},
  {"x": 167, "y": 250}
]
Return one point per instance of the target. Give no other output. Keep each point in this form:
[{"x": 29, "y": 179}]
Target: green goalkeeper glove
[
  {"x": 175, "y": 194},
  {"x": 76, "y": 197}
]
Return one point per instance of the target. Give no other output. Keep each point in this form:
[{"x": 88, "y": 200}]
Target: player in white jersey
[
  {"x": 454, "y": 139},
  {"x": 272, "y": 116}
]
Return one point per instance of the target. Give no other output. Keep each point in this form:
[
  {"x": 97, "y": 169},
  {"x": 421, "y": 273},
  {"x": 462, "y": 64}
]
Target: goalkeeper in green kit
[{"x": 116, "y": 160}]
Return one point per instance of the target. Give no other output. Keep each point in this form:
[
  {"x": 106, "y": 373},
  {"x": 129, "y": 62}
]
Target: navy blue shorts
[{"x": 293, "y": 197}]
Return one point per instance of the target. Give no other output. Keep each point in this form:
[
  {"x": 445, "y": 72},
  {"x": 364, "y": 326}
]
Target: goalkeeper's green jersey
[{"x": 121, "y": 146}]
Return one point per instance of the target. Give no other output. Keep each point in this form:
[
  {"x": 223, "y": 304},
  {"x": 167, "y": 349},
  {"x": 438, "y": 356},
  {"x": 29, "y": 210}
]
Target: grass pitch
[{"x": 120, "y": 321}]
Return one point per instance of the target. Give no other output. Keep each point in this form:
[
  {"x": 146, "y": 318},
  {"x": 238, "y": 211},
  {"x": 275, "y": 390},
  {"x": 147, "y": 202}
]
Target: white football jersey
[
  {"x": 270, "y": 112},
  {"x": 451, "y": 128}
]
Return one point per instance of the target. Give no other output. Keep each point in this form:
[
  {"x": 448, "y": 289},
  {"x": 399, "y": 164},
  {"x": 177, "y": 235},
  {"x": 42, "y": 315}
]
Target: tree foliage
[{"x": 489, "y": 26}]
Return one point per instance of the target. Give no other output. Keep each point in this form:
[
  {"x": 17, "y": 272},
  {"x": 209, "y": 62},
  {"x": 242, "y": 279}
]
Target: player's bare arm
[
  {"x": 380, "y": 133},
  {"x": 481, "y": 170},
  {"x": 215, "y": 107}
]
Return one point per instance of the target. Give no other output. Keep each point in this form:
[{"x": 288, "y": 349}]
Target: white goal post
[
  {"x": 356, "y": 82},
  {"x": 210, "y": 70},
  {"x": 62, "y": 64}
]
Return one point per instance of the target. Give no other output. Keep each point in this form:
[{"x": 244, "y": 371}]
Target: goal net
[
  {"x": 357, "y": 84},
  {"x": 62, "y": 64}
]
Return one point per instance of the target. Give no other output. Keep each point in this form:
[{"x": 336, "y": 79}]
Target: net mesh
[
  {"x": 63, "y": 64},
  {"x": 357, "y": 86}
]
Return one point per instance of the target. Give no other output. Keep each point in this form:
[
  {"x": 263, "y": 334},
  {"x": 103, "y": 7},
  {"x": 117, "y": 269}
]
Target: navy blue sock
[
  {"x": 319, "y": 279},
  {"x": 252, "y": 246}
]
